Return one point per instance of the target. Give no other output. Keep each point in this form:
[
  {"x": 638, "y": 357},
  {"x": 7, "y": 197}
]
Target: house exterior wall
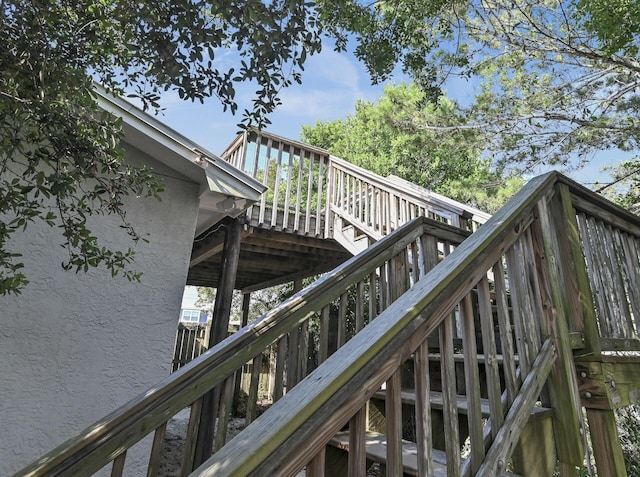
[{"x": 74, "y": 347}]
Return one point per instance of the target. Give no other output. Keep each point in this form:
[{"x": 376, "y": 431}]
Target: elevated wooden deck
[
  {"x": 546, "y": 292},
  {"x": 297, "y": 228}
]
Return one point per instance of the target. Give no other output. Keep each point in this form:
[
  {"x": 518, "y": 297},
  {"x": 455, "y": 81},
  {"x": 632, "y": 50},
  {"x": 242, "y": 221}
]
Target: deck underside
[{"x": 268, "y": 256}]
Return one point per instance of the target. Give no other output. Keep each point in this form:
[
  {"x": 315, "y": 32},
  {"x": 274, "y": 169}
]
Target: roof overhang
[{"x": 224, "y": 190}]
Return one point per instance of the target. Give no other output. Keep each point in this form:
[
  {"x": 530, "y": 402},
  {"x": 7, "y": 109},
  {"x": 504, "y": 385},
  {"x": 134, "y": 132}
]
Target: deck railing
[
  {"x": 308, "y": 188},
  {"x": 303, "y": 332},
  {"x": 520, "y": 248},
  {"x": 518, "y": 287}
]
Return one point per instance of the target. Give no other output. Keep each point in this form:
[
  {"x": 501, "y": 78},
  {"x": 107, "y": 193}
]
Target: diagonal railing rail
[
  {"x": 516, "y": 289},
  {"x": 520, "y": 248},
  {"x": 309, "y": 189},
  {"x": 302, "y": 332}
]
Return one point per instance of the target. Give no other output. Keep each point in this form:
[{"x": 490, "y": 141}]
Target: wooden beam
[{"x": 606, "y": 443}]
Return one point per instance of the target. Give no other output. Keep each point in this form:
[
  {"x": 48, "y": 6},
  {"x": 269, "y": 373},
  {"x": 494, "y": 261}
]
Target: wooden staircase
[{"x": 491, "y": 342}]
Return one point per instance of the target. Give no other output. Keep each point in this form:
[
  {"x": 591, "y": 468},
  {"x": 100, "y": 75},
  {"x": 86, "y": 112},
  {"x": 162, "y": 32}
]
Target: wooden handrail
[
  {"x": 101, "y": 443},
  {"x": 294, "y": 429}
]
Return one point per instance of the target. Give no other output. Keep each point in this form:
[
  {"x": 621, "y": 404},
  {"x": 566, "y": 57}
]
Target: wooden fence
[{"x": 191, "y": 342}]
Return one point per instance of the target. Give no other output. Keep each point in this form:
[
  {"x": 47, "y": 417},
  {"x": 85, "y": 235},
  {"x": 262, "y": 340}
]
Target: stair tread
[
  {"x": 376, "y": 449},
  {"x": 408, "y": 396}
]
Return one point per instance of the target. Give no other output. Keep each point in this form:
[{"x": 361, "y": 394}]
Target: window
[{"x": 190, "y": 316}]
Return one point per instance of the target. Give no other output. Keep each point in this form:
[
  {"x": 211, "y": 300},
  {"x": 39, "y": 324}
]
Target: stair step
[
  {"x": 376, "y": 450},
  {"x": 408, "y": 396}
]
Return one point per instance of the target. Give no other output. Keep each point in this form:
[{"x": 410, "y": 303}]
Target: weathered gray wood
[
  {"x": 191, "y": 438},
  {"x": 316, "y": 466},
  {"x": 342, "y": 319},
  {"x": 252, "y": 398},
  {"x": 491, "y": 362},
  {"x": 220, "y": 327},
  {"x": 606, "y": 443},
  {"x": 562, "y": 385},
  {"x": 393, "y": 414},
  {"x": 276, "y": 187},
  {"x": 287, "y": 195},
  {"x": 265, "y": 178},
  {"x": 472, "y": 381},
  {"x": 449, "y": 392},
  {"x": 324, "y": 335},
  {"x": 576, "y": 278},
  {"x": 118, "y": 464},
  {"x": 226, "y": 399},
  {"x": 424, "y": 439},
  {"x": 357, "y": 451},
  {"x": 507, "y": 437},
  {"x": 156, "y": 451},
  {"x": 278, "y": 391}
]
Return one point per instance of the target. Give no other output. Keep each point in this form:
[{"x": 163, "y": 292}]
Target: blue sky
[{"x": 331, "y": 84}]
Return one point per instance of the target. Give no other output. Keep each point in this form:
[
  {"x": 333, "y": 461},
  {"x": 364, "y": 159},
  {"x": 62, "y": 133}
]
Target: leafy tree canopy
[{"x": 388, "y": 137}]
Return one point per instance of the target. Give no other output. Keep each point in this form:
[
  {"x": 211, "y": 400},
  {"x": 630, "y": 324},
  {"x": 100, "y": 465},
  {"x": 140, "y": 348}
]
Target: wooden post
[
  {"x": 221, "y": 313},
  {"x": 606, "y": 443},
  {"x": 563, "y": 381}
]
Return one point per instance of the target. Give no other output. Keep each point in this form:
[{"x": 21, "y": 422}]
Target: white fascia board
[{"x": 218, "y": 179}]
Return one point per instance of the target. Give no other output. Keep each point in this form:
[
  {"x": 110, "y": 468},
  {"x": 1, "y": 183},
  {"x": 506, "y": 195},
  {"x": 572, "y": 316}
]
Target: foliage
[
  {"x": 387, "y": 138},
  {"x": 558, "y": 80},
  {"x": 60, "y": 162},
  {"x": 628, "y": 419},
  {"x": 624, "y": 189},
  {"x": 261, "y": 301}
]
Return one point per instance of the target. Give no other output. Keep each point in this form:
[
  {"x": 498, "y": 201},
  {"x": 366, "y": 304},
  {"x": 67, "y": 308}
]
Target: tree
[
  {"x": 60, "y": 160},
  {"x": 385, "y": 138}
]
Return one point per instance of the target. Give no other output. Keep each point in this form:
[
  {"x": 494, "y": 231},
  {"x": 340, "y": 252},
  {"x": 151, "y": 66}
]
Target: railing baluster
[
  {"x": 342, "y": 320},
  {"x": 296, "y": 222},
  {"x": 276, "y": 187},
  {"x": 506, "y": 334},
  {"x": 472, "y": 381},
  {"x": 226, "y": 402},
  {"x": 310, "y": 181},
  {"x": 252, "y": 399},
  {"x": 191, "y": 437},
  {"x": 278, "y": 391},
  {"x": 393, "y": 413},
  {"x": 324, "y": 334},
  {"x": 357, "y": 449},
  {"x": 118, "y": 464},
  {"x": 490, "y": 356},
  {"x": 424, "y": 438},
  {"x": 315, "y": 468},
  {"x": 450, "y": 410},
  {"x": 319, "y": 189},
  {"x": 156, "y": 450}
]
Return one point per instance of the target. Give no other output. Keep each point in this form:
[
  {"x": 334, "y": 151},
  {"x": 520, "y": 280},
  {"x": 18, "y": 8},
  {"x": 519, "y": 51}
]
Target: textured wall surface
[{"x": 74, "y": 347}]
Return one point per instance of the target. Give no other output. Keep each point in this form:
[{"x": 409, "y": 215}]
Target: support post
[
  {"x": 221, "y": 314},
  {"x": 606, "y": 443}
]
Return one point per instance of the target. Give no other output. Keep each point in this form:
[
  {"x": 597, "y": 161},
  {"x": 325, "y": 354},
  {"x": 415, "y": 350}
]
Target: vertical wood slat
[
  {"x": 449, "y": 404},
  {"x": 373, "y": 292},
  {"x": 303, "y": 351},
  {"x": 359, "y": 306},
  {"x": 617, "y": 271},
  {"x": 263, "y": 201},
  {"x": 224, "y": 410},
  {"x": 278, "y": 390},
  {"x": 156, "y": 450},
  {"x": 393, "y": 413},
  {"x": 191, "y": 437},
  {"x": 423, "y": 411},
  {"x": 296, "y": 221},
  {"x": 276, "y": 187},
  {"x": 287, "y": 194},
  {"x": 319, "y": 208},
  {"x": 118, "y": 464},
  {"x": 331, "y": 187},
  {"x": 517, "y": 292},
  {"x": 490, "y": 354},
  {"x": 472, "y": 384},
  {"x": 576, "y": 275},
  {"x": 630, "y": 277},
  {"x": 533, "y": 288},
  {"x": 293, "y": 349},
  {"x": 252, "y": 398},
  {"x": 506, "y": 336},
  {"x": 315, "y": 468},
  {"x": 357, "y": 448},
  {"x": 324, "y": 335},
  {"x": 342, "y": 320},
  {"x": 310, "y": 181}
]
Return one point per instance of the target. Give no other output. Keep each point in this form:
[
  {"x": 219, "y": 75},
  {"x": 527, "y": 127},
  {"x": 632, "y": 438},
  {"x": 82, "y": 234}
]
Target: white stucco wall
[{"x": 74, "y": 347}]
